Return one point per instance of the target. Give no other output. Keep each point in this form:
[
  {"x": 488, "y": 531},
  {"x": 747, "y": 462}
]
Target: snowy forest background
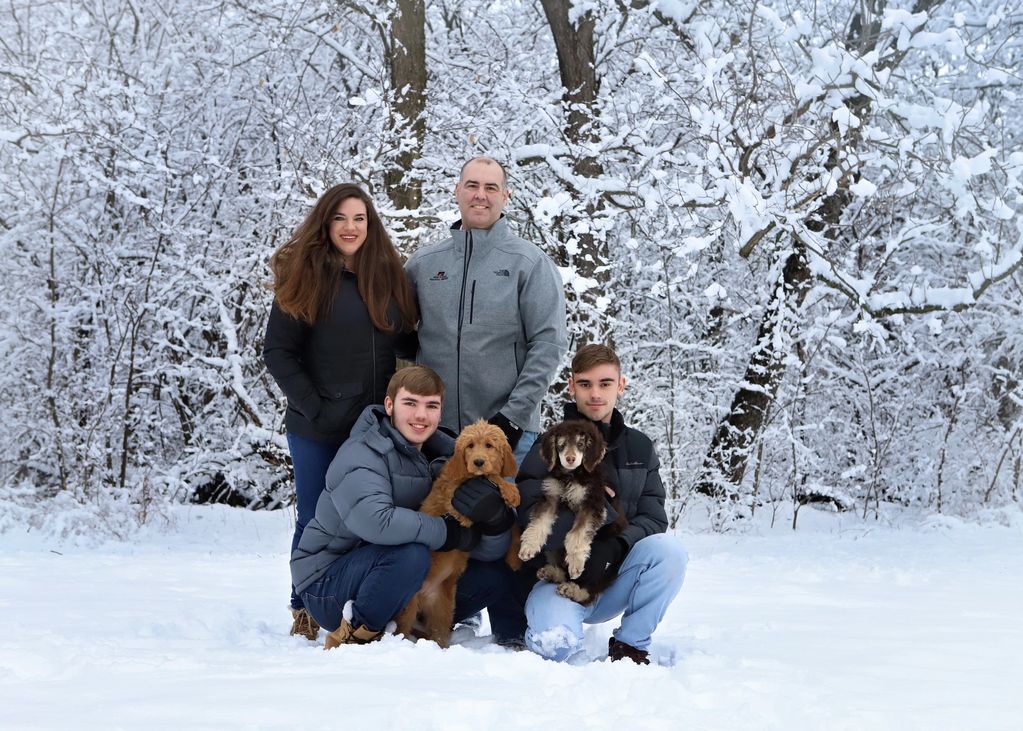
[{"x": 798, "y": 221}]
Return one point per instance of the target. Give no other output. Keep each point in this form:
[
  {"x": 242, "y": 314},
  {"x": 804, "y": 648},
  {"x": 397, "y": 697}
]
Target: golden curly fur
[{"x": 480, "y": 450}]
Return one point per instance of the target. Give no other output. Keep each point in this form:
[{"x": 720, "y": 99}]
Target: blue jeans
[
  {"x": 648, "y": 581},
  {"x": 525, "y": 443},
  {"x": 311, "y": 460},
  {"x": 491, "y": 585},
  {"x": 378, "y": 580}
]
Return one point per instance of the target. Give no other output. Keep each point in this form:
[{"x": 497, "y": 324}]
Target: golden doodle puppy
[{"x": 481, "y": 450}]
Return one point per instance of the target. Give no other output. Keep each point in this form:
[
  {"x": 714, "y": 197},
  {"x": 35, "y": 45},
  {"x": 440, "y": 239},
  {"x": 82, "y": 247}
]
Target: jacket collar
[
  {"x": 611, "y": 432},
  {"x": 382, "y": 437},
  {"x": 497, "y": 232}
]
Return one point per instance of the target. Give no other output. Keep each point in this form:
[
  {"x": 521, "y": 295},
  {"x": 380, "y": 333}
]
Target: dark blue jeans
[
  {"x": 491, "y": 585},
  {"x": 311, "y": 460},
  {"x": 379, "y": 580}
]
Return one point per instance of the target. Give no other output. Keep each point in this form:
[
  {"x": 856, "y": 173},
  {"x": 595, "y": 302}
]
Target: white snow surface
[{"x": 842, "y": 624}]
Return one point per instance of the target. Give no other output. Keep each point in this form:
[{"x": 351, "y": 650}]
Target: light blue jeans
[
  {"x": 525, "y": 443},
  {"x": 648, "y": 581}
]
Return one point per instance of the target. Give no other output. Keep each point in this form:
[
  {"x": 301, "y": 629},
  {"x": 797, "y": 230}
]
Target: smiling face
[
  {"x": 415, "y": 417},
  {"x": 481, "y": 194},
  {"x": 348, "y": 228},
  {"x": 596, "y": 391}
]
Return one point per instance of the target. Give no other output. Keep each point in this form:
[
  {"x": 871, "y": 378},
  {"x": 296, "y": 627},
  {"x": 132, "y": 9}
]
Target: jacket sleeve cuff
[{"x": 492, "y": 548}]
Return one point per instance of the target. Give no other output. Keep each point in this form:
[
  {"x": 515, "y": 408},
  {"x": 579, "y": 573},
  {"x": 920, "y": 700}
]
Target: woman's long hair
[{"x": 308, "y": 268}]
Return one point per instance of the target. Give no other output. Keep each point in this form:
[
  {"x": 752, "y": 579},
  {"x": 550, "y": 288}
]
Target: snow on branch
[{"x": 916, "y": 300}]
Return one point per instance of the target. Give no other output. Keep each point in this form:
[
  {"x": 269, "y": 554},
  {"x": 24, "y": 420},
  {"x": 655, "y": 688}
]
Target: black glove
[
  {"x": 512, "y": 431},
  {"x": 606, "y": 556},
  {"x": 459, "y": 538},
  {"x": 479, "y": 500}
]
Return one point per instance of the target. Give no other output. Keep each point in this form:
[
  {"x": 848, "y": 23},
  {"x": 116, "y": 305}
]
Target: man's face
[
  {"x": 481, "y": 194},
  {"x": 415, "y": 417},
  {"x": 596, "y": 391}
]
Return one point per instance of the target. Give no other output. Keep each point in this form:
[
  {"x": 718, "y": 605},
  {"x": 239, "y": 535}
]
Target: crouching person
[
  {"x": 367, "y": 549},
  {"x": 649, "y": 565}
]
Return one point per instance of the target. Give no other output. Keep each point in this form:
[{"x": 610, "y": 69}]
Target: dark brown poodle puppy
[{"x": 572, "y": 451}]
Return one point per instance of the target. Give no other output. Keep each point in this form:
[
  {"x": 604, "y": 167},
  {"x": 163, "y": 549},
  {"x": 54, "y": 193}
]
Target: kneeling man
[
  {"x": 367, "y": 550},
  {"x": 650, "y": 564}
]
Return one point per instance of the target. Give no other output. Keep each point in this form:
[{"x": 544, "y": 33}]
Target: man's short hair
[
  {"x": 593, "y": 355},
  {"x": 486, "y": 159},
  {"x": 416, "y": 379}
]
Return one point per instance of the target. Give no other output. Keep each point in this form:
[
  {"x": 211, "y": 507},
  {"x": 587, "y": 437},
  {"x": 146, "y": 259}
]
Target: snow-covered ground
[{"x": 840, "y": 625}]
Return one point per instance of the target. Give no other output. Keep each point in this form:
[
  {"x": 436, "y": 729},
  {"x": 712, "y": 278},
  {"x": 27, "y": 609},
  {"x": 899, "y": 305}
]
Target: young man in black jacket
[{"x": 650, "y": 564}]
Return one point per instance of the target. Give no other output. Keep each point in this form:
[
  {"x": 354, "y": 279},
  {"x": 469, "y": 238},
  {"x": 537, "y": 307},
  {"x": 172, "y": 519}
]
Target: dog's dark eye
[{"x": 488, "y": 445}]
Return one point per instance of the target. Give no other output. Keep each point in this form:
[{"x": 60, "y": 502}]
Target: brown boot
[
  {"x": 348, "y": 635},
  {"x": 620, "y": 651},
  {"x": 304, "y": 624}
]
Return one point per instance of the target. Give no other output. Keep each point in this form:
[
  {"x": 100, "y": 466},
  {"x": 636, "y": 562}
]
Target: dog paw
[
  {"x": 553, "y": 574},
  {"x": 571, "y": 590},
  {"x": 528, "y": 549},
  {"x": 510, "y": 494},
  {"x": 575, "y": 564}
]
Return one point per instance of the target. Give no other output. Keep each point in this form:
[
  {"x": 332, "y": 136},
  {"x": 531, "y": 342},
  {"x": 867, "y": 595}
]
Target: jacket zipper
[{"x": 458, "y": 340}]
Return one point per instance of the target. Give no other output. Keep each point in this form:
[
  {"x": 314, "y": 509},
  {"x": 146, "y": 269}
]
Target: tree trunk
[
  {"x": 729, "y": 452},
  {"x": 407, "y": 59},
  {"x": 733, "y": 442},
  {"x": 576, "y": 64}
]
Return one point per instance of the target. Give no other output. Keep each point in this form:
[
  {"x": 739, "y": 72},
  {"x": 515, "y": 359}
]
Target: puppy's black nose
[{"x": 479, "y": 462}]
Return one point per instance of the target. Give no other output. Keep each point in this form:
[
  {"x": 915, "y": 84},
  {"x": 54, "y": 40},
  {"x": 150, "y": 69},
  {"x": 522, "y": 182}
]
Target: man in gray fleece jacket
[{"x": 492, "y": 309}]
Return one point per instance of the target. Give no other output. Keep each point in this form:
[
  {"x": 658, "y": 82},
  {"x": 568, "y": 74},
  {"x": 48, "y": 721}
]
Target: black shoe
[
  {"x": 511, "y": 643},
  {"x": 621, "y": 651},
  {"x": 475, "y": 621}
]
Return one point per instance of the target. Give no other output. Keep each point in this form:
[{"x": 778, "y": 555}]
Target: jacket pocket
[{"x": 342, "y": 403}]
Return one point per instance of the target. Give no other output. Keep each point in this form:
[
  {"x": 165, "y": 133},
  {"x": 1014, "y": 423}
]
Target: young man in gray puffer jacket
[{"x": 367, "y": 550}]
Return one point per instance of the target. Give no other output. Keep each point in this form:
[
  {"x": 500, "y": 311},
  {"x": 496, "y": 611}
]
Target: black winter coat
[
  {"x": 631, "y": 465},
  {"x": 330, "y": 371}
]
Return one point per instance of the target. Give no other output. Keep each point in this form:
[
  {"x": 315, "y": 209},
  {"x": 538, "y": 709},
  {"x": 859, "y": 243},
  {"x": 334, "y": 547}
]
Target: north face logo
[
  {"x": 502, "y": 272},
  {"x": 438, "y": 277}
]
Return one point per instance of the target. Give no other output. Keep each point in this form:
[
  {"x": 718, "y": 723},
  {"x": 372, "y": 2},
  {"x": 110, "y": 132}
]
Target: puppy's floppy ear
[
  {"x": 594, "y": 453},
  {"x": 548, "y": 449},
  {"x": 509, "y": 467},
  {"x": 456, "y": 470}
]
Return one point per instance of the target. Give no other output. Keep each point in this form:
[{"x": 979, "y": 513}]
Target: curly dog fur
[
  {"x": 573, "y": 451},
  {"x": 480, "y": 450}
]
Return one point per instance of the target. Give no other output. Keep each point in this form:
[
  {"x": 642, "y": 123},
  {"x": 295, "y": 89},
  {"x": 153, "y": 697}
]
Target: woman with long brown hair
[{"x": 343, "y": 311}]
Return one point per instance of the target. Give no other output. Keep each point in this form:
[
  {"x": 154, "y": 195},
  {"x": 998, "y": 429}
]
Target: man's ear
[
  {"x": 571, "y": 386},
  {"x": 621, "y": 385},
  {"x": 388, "y": 405}
]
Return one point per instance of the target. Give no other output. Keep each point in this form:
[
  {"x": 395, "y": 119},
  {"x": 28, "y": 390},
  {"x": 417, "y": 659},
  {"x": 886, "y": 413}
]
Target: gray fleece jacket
[{"x": 492, "y": 309}]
